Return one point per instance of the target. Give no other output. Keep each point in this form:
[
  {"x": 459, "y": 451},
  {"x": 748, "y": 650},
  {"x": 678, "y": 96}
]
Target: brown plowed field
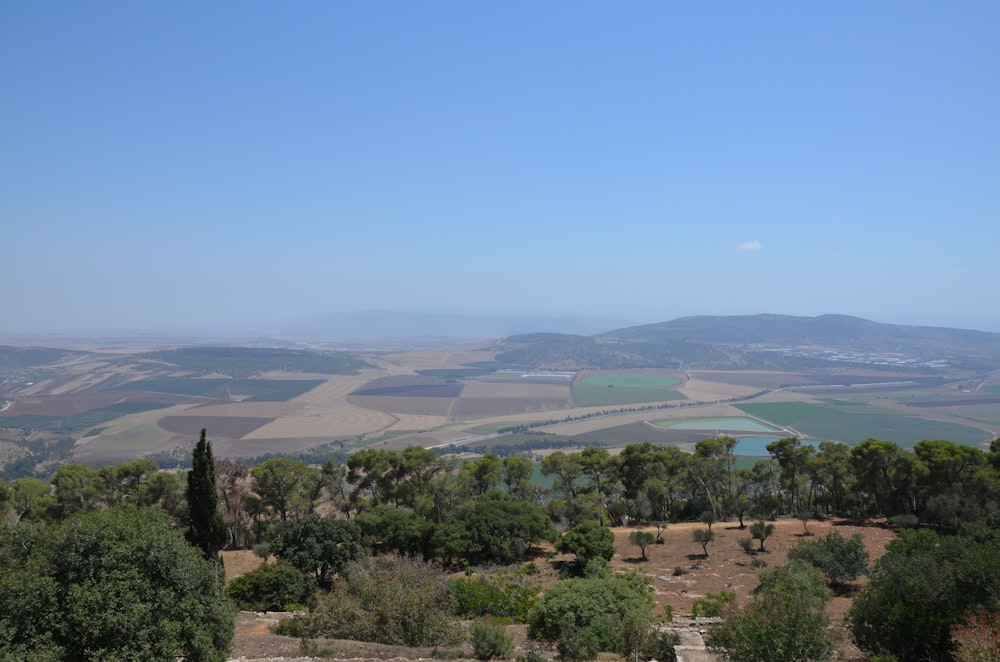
[
  {"x": 231, "y": 427},
  {"x": 65, "y": 405}
]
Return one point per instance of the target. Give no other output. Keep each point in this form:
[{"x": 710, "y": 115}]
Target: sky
[{"x": 223, "y": 166}]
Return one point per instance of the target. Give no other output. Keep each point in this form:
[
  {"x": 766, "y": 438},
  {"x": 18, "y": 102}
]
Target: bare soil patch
[{"x": 231, "y": 427}]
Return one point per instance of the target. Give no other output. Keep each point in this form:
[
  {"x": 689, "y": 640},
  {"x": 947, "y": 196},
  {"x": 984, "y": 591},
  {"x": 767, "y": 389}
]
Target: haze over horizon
[{"x": 191, "y": 168}]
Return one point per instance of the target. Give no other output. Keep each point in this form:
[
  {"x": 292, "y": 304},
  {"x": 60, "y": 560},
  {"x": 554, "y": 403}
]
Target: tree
[
  {"x": 588, "y": 540},
  {"x": 287, "y": 487},
  {"x": 120, "y": 584},
  {"x": 495, "y": 527},
  {"x": 840, "y": 559},
  {"x": 921, "y": 587},
  {"x": 29, "y": 498},
  {"x": 76, "y": 488},
  {"x": 207, "y": 529},
  {"x": 385, "y": 529},
  {"x": 516, "y": 471},
  {"x": 271, "y": 587},
  {"x": 761, "y": 531},
  {"x": 783, "y": 622},
  {"x": 584, "y": 616},
  {"x": 642, "y": 540},
  {"x": 319, "y": 546},
  {"x": 703, "y": 537}
]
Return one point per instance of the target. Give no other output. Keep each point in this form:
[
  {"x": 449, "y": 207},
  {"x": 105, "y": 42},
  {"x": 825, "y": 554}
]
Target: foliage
[
  {"x": 495, "y": 527},
  {"x": 773, "y": 629},
  {"x": 392, "y": 530},
  {"x": 921, "y": 587},
  {"x": 385, "y": 599},
  {"x": 584, "y": 616},
  {"x": 783, "y": 622},
  {"x": 712, "y": 604},
  {"x": 642, "y": 540},
  {"x": 75, "y": 589},
  {"x": 287, "y": 487},
  {"x": 840, "y": 559},
  {"x": 761, "y": 531},
  {"x": 507, "y": 594},
  {"x": 489, "y": 640},
  {"x": 703, "y": 537},
  {"x": 804, "y": 583},
  {"x": 271, "y": 587},
  {"x": 207, "y": 529},
  {"x": 588, "y": 540},
  {"x": 320, "y": 546}
]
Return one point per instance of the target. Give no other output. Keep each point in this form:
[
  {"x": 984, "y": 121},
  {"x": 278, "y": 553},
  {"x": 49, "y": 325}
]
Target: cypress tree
[{"x": 207, "y": 530}]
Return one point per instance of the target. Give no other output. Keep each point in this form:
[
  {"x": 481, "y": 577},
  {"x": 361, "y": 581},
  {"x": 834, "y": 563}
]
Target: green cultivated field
[
  {"x": 624, "y": 388},
  {"x": 591, "y": 396},
  {"x": 902, "y": 430},
  {"x": 631, "y": 380},
  {"x": 992, "y": 389},
  {"x": 785, "y": 413},
  {"x": 80, "y": 421}
]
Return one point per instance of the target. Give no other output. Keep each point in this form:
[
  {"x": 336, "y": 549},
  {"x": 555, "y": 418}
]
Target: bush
[
  {"x": 584, "y": 616},
  {"x": 921, "y": 587},
  {"x": 121, "y": 584},
  {"x": 588, "y": 540},
  {"x": 490, "y": 641},
  {"x": 840, "y": 559},
  {"x": 508, "y": 593},
  {"x": 712, "y": 604},
  {"x": 270, "y": 587},
  {"x": 773, "y": 628},
  {"x": 386, "y": 600}
]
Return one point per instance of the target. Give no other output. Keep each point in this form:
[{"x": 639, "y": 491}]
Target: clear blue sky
[{"x": 226, "y": 165}]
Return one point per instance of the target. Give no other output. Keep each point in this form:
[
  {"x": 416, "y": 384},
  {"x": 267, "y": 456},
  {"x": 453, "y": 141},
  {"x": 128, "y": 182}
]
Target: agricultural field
[
  {"x": 624, "y": 388},
  {"x": 110, "y": 407}
]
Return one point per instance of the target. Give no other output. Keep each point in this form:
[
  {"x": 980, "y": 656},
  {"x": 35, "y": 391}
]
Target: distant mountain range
[
  {"x": 388, "y": 329},
  {"x": 765, "y": 342}
]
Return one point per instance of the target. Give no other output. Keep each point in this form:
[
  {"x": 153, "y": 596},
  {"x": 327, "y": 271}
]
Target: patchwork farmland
[{"x": 112, "y": 407}]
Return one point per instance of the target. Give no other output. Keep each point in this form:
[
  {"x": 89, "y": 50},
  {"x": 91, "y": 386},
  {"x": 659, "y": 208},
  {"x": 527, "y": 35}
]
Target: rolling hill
[{"x": 764, "y": 342}]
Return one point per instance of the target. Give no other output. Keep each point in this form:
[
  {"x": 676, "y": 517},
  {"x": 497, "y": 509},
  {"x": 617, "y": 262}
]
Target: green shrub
[
  {"x": 387, "y": 600},
  {"x": 490, "y": 641},
  {"x": 270, "y": 587},
  {"x": 584, "y": 616},
  {"x": 508, "y": 593},
  {"x": 712, "y": 604}
]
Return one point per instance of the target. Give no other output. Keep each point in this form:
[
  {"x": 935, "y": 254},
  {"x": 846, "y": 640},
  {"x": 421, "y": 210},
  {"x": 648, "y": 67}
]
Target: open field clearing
[
  {"x": 489, "y": 399},
  {"x": 409, "y": 362},
  {"x": 596, "y": 424},
  {"x": 67, "y": 405},
  {"x": 705, "y": 391},
  {"x": 501, "y": 391},
  {"x": 411, "y": 405},
  {"x": 902, "y": 430},
  {"x": 222, "y": 427},
  {"x": 637, "y": 379},
  {"x": 758, "y": 379}
]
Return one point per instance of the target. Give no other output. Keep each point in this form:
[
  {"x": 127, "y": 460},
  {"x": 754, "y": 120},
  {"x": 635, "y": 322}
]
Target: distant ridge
[
  {"x": 764, "y": 341},
  {"x": 431, "y": 329}
]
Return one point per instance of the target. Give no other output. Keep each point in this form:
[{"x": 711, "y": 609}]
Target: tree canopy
[{"x": 120, "y": 584}]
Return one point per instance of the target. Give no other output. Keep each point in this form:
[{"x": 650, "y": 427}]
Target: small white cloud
[{"x": 750, "y": 246}]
